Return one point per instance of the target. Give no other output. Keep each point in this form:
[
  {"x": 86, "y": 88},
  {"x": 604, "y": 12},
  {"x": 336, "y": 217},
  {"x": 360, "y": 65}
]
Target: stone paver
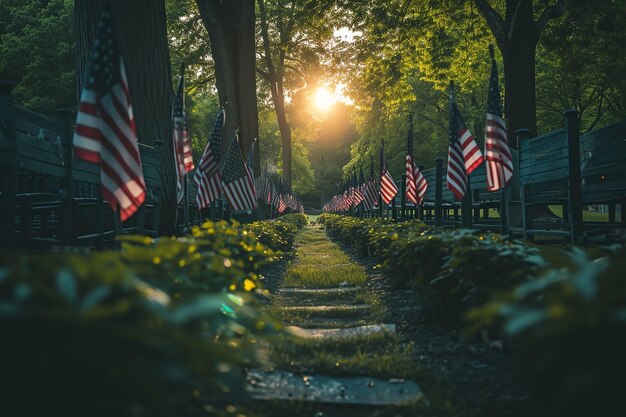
[
  {"x": 329, "y": 310},
  {"x": 365, "y": 330},
  {"x": 319, "y": 291},
  {"x": 282, "y": 385}
]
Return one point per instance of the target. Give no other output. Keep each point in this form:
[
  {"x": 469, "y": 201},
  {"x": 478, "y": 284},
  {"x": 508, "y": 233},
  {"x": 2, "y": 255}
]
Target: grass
[
  {"x": 324, "y": 276},
  {"x": 321, "y": 263},
  {"x": 588, "y": 216},
  {"x": 379, "y": 355}
]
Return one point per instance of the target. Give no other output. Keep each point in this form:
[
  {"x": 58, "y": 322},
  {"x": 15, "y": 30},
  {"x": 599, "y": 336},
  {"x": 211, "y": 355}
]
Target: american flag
[
  {"x": 105, "y": 126},
  {"x": 497, "y": 153},
  {"x": 464, "y": 156},
  {"x": 182, "y": 142},
  {"x": 250, "y": 160},
  {"x": 388, "y": 188},
  {"x": 236, "y": 180},
  {"x": 282, "y": 206},
  {"x": 415, "y": 182},
  {"x": 368, "y": 201},
  {"x": 358, "y": 194},
  {"x": 208, "y": 178}
]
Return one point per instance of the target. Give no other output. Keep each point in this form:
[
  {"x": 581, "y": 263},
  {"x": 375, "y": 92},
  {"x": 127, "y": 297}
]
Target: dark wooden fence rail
[{"x": 47, "y": 197}]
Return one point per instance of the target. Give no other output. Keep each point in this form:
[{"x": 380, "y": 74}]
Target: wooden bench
[
  {"x": 546, "y": 177},
  {"x": 49, "y": 198},
  {"x": 603, "y": 171}
]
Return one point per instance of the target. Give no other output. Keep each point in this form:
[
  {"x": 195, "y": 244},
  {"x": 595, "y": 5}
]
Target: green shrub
[
  {"x": 163, "y": 328},
  {"x": 297, "y": 219},
  {"x": 571, "y": 328},
  {"x": 453, "y": 270},
  {"x": 477, "y": 266}
]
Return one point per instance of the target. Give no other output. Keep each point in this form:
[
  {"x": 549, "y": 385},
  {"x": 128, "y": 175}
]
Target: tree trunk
[
  {"x": 275, "y": 80},
  {"x": 517, "y": 36},
  {"x": 518, "y": 52},
  {"x": 142, "y": 35},
  {"x": 230, "y": 25}
]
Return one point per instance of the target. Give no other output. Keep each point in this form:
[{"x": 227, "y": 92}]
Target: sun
[{"x": 324, "y": 99}]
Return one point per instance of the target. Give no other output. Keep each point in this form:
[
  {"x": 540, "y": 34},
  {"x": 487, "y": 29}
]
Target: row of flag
[
  {"x": 464, "y": 156},
  {"x": 106, "y": 135},
  {"x": 270, "y": 188}
]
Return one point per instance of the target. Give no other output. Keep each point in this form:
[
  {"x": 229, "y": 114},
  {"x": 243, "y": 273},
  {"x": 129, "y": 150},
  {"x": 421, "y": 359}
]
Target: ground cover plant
[
  {"x": 570, "y": 327},
  {"x": 163, "y": 327},
  {"x": 454, "y": 270}
]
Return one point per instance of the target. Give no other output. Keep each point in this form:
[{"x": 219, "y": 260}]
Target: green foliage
[
  {"x": 455, "y": 271},
  {"x": 570, "y": 324},
  {"x": 297, "y": 219},
  {"x": 278, "y": 234},
  {"x": 165, "y": 326},
  {"x": 37, "y": 50}
]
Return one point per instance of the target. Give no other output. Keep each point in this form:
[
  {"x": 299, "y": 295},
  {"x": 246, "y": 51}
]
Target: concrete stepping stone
[
  {"x": 334, "y": 291},
  {"x": 365, "y": 330},
  {"x": 331, "y": 322},
  {"x": 330, "y": 310},
  {"x": 282, "y": 385}
]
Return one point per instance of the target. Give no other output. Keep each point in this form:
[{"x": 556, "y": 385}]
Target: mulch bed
[{"x": 463, "y": 376}]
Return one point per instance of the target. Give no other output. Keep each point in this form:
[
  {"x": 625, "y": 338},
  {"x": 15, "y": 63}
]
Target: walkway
[{"x": 338, "y": 353}]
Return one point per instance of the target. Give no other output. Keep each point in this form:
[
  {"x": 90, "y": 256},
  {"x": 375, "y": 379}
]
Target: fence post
[
  {"x": 8, "y": 168},
  {"x": 67, "y": 229},
  {"x": 438, "y": 192},
  {"x": 523, "y": 135},
  {"x": 403, "y": 198},
  {"x": 466, "y": 207},
  {"x": 572, "y": 129}
]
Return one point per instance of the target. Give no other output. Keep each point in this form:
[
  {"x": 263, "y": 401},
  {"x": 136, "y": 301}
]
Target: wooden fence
[
  {"x": 562, "y": 168},
  {"x": 47, "y": 197}
]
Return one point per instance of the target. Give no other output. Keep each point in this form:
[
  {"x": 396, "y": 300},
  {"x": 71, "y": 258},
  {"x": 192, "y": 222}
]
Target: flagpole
[
  {"x": 186, "y": 203},
  {"x": 117, "y": 226},
  {"x": 466, "y": 203}
]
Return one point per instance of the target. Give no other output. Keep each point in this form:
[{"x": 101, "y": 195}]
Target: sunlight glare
[{"x": 324, "y": 99}]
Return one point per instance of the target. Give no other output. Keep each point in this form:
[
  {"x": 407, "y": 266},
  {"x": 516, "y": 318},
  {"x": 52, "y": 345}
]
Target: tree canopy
[{"x": 377, "y": 61}]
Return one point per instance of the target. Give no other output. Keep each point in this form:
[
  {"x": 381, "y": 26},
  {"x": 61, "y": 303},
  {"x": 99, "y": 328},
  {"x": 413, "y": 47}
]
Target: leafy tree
[
  {"x": 290, "y": 32},
  {"x": 580, "y": 65},
  {"x": 37, "y": 51}
]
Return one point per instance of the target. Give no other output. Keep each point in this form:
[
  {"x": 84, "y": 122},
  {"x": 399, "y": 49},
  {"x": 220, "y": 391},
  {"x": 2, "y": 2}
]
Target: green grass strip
[{"x": 321, "y": 264}]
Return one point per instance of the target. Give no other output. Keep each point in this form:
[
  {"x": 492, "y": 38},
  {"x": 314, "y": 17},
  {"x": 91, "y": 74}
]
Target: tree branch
[
  {"x": 512, "y": 24},
  {"x": 439, "y": 125},
  {"x": 494, "y": 20},
  {"x": 263, "y": 74},
  {"x": 550, "y": 12}
]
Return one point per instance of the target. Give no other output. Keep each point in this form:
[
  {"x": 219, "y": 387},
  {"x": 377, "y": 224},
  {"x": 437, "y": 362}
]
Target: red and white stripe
[
  {"x": 240, "y": 194},
  {"x": 106, "y": 134},
  {"x": 388, "y": 188},
  {"x": 497, "y": 153},
  {"x": 415, "y": 182},
  {"x": 464, "y": 156},
  {"x": 208, "y": 179}
]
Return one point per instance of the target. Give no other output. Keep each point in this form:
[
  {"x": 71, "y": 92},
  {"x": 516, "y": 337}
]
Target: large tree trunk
[
  {"x": 517, "y": 36},
  {"x": 275, "y": 80},
  {"x": 518, "y": 52},
  {"x": 230, "y": 25},
  {"x": 142, "y": 35}
]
